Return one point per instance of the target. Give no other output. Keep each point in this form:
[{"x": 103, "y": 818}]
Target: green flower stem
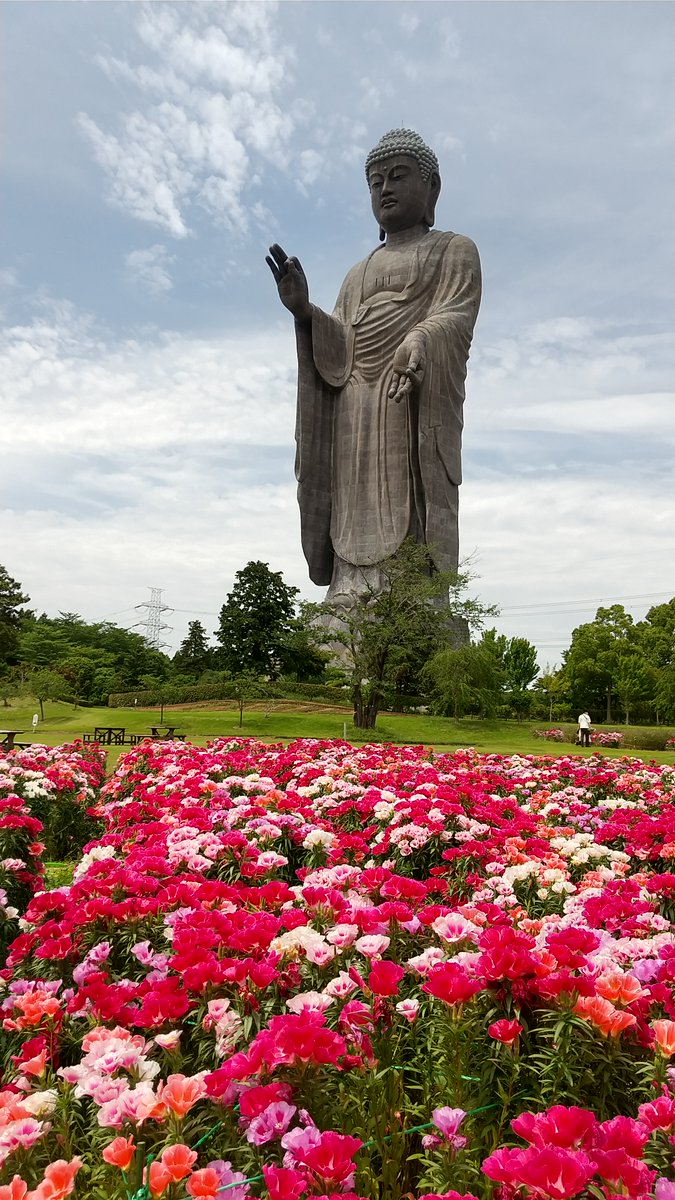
[
  {"x": 427, "y": 1125},
  {"x": 252, "y": 1179},
  {"x": 208, "y": 1135}
]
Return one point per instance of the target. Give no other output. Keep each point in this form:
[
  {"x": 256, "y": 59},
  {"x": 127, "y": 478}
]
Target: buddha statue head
[{"x": 404, "y": 181}]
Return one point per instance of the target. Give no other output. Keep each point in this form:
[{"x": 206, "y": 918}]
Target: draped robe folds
[{"x": 372, "y": 471}]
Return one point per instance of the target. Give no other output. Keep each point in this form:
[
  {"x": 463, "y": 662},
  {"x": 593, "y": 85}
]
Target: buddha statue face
[{"x": 400, "y": 197}]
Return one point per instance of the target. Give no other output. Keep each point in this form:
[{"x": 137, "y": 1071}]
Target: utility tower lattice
[{"x": 153, "y": 623}]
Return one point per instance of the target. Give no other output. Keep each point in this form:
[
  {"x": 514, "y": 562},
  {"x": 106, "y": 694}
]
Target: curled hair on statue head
[{"x": 404, "y": 141}]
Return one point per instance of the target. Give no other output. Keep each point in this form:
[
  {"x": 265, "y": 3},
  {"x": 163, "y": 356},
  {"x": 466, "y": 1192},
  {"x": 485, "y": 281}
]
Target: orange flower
[
  {"x": 119, "y": 1152},
  {"x": 181, "y": 1092},
  {"x": 160, "y": 1178},
  {"x": 204, "y": 1184},
  {"x": 33, "y": 1006},
  {"x": 619, "y": 986},
  {"x": 35, "y": 1065},
  {"x": 59, "y": 1180},
  {"x": 545, "y": 963},
  {"x": 179, "y": 1161},
  {"x": 16, "y": 1190},
  {"x": 664, "y": 1036},
  {"x": 609, "y": 1020}
]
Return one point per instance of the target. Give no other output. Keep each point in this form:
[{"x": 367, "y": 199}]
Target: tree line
[{"x": 420, "y": 642}]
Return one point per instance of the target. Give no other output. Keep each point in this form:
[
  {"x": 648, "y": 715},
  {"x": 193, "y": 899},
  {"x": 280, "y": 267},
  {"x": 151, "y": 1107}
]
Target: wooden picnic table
[
  {"x": 109, "y": 735},
  {"x": 169, "y": 733},
  {"x": 7, "y": 737}
]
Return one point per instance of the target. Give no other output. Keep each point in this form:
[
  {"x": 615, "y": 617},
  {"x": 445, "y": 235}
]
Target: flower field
[{"x": 318, "y": 971}]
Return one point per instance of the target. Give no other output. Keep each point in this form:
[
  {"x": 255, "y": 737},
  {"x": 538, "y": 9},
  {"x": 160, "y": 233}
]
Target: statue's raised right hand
[{"x": 291, "y": 282}]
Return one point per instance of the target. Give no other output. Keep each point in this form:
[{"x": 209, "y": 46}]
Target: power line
[{"x": 559, "y": 605}]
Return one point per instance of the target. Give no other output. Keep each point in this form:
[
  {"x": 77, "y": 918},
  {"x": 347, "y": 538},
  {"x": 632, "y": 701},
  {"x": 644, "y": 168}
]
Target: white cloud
[
  {"x": 167, "y": 395},
  {"x": 564, "y": 545},
  {"x": 169, "y": 462},
  {"x": 215, "y": 104},
  {"x": 150, "y": 269}
]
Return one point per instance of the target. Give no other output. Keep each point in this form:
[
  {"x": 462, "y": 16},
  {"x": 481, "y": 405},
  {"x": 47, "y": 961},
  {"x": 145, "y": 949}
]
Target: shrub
[{"x": 611, "y": 737}]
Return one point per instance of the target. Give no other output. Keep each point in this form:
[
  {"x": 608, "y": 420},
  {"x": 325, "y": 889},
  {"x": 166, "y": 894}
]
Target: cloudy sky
[{"x": 151, "y": 152}]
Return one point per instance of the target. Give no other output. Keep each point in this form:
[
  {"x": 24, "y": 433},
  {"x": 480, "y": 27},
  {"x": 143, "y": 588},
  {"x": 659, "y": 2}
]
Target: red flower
[
  {"x": 448, "y": 982},
  {"x": 550, "y": 1171},
  {"x": 557, "y": 1173},
  {"x": 505, "y": 1031},
  {"x": 284, "y": 1184},
  {"x": 557, "y": 1126},
  {"x": 385, "y": 977},
  {"x": 658, "y": 1114},
  {"x": 330, "y": 1158}
]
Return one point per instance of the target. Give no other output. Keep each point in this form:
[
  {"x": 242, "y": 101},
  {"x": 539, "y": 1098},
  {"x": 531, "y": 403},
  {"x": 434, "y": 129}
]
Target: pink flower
[
  {"x": 372, "y": 945},
  {"x": 271, "y": 1123},
  {"x": 664, "y": 1189},
  {"x": 341, "y": 986},
  {"x": 408, "y": 1009},
  {"x": 227, "y": 1178},
  {"x": 168, "y": 1041},
  {"x": 309, "y": 1002},
  {"x": 448, "y": 1120}
]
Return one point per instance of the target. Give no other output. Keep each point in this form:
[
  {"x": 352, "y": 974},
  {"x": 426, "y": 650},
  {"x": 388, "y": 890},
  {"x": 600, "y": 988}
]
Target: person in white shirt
[{"x": 584, "y": 723}]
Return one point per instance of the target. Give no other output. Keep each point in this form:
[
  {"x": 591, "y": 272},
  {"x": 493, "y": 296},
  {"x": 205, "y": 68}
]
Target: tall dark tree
[
  {"x": 194, "y": 655},
  {"x": 12, "y": 612},
  {"x": 256, "y": 622}
]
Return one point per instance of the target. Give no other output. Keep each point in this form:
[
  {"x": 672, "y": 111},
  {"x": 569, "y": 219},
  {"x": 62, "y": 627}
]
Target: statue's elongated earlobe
[{"x": 382, "y": 234}]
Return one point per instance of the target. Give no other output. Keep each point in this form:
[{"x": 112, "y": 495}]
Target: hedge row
[{"x": 193, "y": 693}]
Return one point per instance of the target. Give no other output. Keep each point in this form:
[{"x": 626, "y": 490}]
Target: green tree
[
  {"x": 548, "y": 692},
  {"x": 248, "y": 686},
  {"x": 591, "y": 663},
  {"x": 657, "y": 644},
  {"x": 520, "y": 670},
  {"x": 463, "y": 681},
  {"x": 414, "y": 615},
  {"x": 664, "y": 693},
  {"x": 302, "y": 657},
  {"x": 635, "y": 682},
  {"x": 657, "y": 635},
  {"x": 194, "y": 655},
  {"x": 12, "y": 613},
  {"x": 256, "y": 622},
  {"x": 46, "y": 685}
]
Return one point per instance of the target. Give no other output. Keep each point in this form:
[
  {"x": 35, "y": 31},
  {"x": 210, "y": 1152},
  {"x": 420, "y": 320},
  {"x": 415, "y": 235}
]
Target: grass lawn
[{"x": 282, "y": 720}]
